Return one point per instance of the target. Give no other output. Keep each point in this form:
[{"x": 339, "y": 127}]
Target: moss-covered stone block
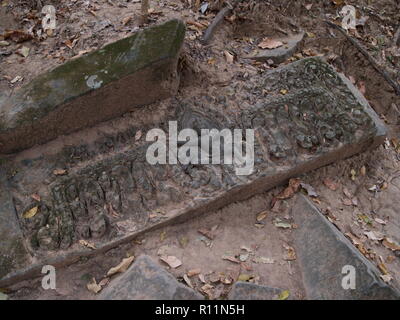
[{"x": 104, "y": 84}]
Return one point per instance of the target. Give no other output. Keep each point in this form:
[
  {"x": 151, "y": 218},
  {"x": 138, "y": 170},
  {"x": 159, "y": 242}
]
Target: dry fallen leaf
[
  {"x": 390, "y": 259},
  {"x": 330, "y": 184},
  {"x": 347, "y": 193},
  {"x": 138, "y": 135},
  {"x": 291, "y": 254},
  {"x": 50, "y": 32},
  {"x": 172, "y": 261},
  {"x": 16, "y": 79},
  {"x": 207, "y": 233},
  {"x": 230, "y": 258},
  {"x": 380, "y": 221},
  {"x": 226, "y": 279},
  {"x": 214, "y": 278},
  {"x": 60, "y": 172},
  {"x": 263, "y": 260},
  {"x": 338, "y": 2},
  {"x": 201, "y": 277},
  {"x": 208, "y": 290},
  {"x": 23, "y": 52},
  {"x": 30, "y": 213},
  {"x": 193, "y": 272},
  {"x": 81, "y": 53},
  {"x": 293, "y": 187},
  {"x": 245, "y": 248},
  {"x": 361, "y": 87},
  {"x": 386, "y": 278},
  {"x": 284, "y": 295},
  {"x": 347, "y": 202},
  {"x": 283, "y": 91},
  {"x": 383, "y": 268},
  {"x": 122, "y": 267},
  {"x": 93, "y": 286},
  {"x": 126, "y": 20},
  {"x": 356, "y": 241},
  {"x": 87, "y": 244},
  {"x": 104, "y": 282},
  {"x": 375, "y": 236},
  {"x": 246, "y": 266},
  {"x": 364, "y": 218},
  {"x": 353, "y": 174},
  {"x": 363, "y": 171},
  {"x": 36, "y": 197},
  {"x": 267, "y": 43},
  {"x": 187, "y": 280},
  {"x": 283, "y": 225},
  {"x": 309, "y": 189},
  {"x": 229, "y": 56},
  {"x": 17, "y": 36},
  {"x": 261, "y": 216},
  {"x": 390, "y": 244},
  {"x": 245, "y": 277},
  {"x": 198, "y": 25},
  {"x": 211, "y": 61},
  {"x": 3, "y": 296}
]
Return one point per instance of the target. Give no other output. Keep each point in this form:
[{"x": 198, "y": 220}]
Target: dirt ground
[{"x": 359, "y": 195}]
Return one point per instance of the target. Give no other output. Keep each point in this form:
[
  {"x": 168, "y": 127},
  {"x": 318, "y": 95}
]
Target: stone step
[
  {"x": 327, "y": 260},
  {"x": 104, "y": 84},
  {"x": 147, "y": 280},
  {"x": 304, "y": 116}
]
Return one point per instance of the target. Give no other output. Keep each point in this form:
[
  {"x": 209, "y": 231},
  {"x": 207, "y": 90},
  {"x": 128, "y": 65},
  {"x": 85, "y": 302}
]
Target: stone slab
[
  {"x": 251, "y": 291},
  {"x": 280, "y": 54},
  {"x": 147, "y": 280},
  {"x": 104, "y": 84},
  {"x": 323, "y": 251},
  {"x": 304, "y": 115}
]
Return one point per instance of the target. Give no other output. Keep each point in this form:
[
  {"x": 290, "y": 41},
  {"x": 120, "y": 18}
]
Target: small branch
[
  {"x": 380, "y": 69},
  {"x": 36, "y": 4},
  {"x": 39, "y": 4},
  {"x": 213, "y": 26},
  {"x": 396, "y": 39},
  {"x": 145, "y": 11}
]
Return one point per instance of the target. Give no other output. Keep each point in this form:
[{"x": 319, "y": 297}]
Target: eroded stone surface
[
  {"x": 13, "y": 253},
  {"x": 251, "y": 291},
  {"x": 131, "y": 72},
  {"x": 323, "y": 252},
  {"x": 111, "y": 193},
  {"x": 147, "y": 280}
]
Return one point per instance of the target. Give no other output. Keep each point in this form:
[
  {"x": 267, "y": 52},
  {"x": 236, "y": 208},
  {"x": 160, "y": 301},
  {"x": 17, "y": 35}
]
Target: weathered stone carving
[{"x": 107, "y": 196}]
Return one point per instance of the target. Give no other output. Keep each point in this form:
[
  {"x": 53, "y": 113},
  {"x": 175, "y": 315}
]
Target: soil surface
[{"x": 359, "y": 195}]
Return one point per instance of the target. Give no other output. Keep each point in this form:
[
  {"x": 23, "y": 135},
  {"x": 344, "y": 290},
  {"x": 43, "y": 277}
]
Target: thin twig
[
  {"x": 213, "y": 26},
  {"x": 145, "y": 12},
  {"x": 396, "y": 39},
  {"x": 374, "y": 63}
]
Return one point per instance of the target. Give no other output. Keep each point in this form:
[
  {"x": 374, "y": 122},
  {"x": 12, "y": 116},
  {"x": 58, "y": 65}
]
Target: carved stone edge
[
  {"x": 373, "y": 272},
  {"x": 238, "y": 193}
]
